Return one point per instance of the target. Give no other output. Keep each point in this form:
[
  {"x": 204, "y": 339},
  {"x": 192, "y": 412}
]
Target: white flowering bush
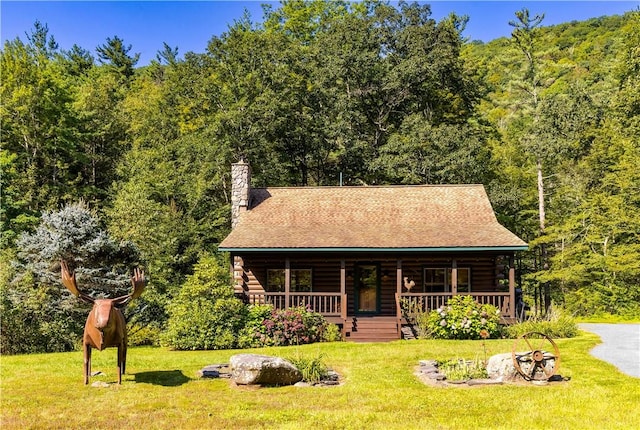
[{"x": 461, "y": 318}]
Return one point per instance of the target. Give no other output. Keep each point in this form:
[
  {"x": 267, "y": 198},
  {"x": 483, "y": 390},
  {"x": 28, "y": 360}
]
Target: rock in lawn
[
  {"x": 253, "y": 369},
  {"x": 214, "y": 371},
  {"x": 208, "y": 373},
  {"x": 501, "y": 367}
]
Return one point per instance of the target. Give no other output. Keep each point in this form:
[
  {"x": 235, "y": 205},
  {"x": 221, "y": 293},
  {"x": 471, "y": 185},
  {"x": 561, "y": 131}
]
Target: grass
[{"x": 379, "y": 391}]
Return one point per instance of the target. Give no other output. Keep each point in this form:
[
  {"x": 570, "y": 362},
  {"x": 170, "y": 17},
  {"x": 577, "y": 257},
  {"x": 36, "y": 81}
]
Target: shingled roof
[{"x": 417, "y": 218}]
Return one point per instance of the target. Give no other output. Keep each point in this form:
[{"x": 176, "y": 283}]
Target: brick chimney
[{"x": 240, "y": 188}]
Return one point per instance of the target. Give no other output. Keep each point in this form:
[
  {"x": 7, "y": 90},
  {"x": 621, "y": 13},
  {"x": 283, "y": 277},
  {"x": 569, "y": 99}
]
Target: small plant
[
  {"x": 557, "y": 324},
  {"x": 484, "y": 334},
  {"x": 411, "y": 309},
  {"x": 313, "y": 369},
  {"x": 462, "y": 318},
  {"x": 463, "y": 370},
  {"x": 331, "y": 333}
]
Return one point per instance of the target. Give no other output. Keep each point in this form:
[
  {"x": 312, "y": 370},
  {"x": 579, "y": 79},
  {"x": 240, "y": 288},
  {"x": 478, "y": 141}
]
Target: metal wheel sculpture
[{"x": 535, "y": 356}]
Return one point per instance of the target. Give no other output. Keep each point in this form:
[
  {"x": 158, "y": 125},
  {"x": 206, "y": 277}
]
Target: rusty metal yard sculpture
[
  {"x": 535, "y": 356},
  {"x": 105, "y": 326}
]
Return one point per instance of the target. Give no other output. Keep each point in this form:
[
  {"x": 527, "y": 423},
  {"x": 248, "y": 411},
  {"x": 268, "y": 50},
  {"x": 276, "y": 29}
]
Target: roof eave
[{"x": 356, "y": 249}]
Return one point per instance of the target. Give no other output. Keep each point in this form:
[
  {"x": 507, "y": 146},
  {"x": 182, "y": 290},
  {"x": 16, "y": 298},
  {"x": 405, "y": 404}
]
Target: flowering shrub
[
  {"x": 267, "y": 326},
  {"x": 462, "y": 318}
]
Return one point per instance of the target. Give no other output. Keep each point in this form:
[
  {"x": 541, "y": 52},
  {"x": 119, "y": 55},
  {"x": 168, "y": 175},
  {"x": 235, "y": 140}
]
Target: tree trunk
[
  {"x": 546, "y": 300},
  {"x": 540, "y": 197}
]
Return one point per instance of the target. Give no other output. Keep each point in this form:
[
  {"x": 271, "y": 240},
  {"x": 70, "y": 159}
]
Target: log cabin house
[{"x": 354, "y": 254}]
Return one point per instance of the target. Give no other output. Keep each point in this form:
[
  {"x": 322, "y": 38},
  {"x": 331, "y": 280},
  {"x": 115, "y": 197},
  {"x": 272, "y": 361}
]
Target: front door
[{"x": 367, "y": 289}]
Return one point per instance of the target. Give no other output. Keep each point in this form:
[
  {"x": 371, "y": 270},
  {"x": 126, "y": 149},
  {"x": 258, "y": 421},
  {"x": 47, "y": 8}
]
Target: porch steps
[{"x": 373, "y": 329}]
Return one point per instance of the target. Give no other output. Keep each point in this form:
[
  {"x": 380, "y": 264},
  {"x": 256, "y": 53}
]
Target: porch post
[
  {"x": 287, "y": 282},
  {"x": 512, "y": 289},
  {"x": 399, "y": 277},
  {"x": 398, "y": 295},
  {"x": 343, "y": 295},
  {"x": 454, "y": 277}
]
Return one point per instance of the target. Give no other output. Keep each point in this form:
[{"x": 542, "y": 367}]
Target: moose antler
[
  {"x": 69, "y": 281},
  {"x": 138, "y": 281}
]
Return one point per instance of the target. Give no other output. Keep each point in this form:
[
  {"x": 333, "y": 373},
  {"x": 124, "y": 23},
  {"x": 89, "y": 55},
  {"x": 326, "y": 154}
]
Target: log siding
[{"x": 333, "y": 274}]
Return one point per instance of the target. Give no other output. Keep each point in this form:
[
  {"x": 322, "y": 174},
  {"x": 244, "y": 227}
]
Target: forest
[{"x": 314, "y": 93}]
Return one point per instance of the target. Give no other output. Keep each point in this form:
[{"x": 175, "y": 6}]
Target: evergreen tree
[
  {"x": 115, "y": 54},
  {"x": 38, "y": 313}
]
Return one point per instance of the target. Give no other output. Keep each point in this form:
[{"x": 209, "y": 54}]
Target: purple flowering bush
[
  {"x": 461, "y": 318},
  {"x": 267, "y": 326}
]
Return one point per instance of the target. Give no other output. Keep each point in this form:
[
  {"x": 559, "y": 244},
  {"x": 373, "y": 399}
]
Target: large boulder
[
  {"x": 501, "y": 367},
  {"x": 254, "y": 369}
]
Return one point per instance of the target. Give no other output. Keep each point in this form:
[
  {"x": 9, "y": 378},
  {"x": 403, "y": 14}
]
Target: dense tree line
[
  {"x": 321, "y": 90},
  {"x": 564, "y": 103}
]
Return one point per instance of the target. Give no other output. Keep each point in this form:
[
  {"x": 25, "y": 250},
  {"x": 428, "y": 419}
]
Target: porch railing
[
  {"x": 334, "y": 304},
  {"x": 327, "y": 304},
  {"x": 426, "y": 302}
]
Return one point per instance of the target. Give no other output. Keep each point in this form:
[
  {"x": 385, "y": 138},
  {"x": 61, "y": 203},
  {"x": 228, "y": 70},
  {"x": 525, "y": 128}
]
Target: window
[
  {"x": 464, "y": 281},
  {"x": 300, "y": 280},
  {"x": 438, "y": 280},
  {"x": 435, "y": 280}
]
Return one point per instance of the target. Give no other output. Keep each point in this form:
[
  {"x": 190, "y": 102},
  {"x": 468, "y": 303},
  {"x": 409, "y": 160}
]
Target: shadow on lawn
[{"x": 166, "y": 378}]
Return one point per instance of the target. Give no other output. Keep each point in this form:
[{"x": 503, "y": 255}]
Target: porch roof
[{"x": 379, "y": 218}]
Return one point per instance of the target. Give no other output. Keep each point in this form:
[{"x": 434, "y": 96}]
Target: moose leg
[
  {"x": 124, "y": 356},
  {"x": 121, "y": 352},
  {"x": 87, "y": 361}
]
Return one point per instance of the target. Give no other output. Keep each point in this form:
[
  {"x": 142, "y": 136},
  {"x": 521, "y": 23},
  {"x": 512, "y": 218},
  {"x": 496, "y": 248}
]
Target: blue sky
[{"x": 190, "y": 25}]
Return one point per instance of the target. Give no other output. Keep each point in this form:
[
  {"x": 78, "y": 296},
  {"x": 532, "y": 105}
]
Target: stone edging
[
  {"x": 223, "y": 371},
  {"x": 428, "y": 373}
]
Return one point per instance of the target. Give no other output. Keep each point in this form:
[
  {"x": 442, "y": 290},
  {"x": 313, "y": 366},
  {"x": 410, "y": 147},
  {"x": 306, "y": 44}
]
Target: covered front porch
[{"x": 370, "y": 290}]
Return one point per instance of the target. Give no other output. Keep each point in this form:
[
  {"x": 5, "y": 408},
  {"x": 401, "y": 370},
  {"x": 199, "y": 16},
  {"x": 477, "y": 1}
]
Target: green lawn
[{"x": 160, "y": 390}]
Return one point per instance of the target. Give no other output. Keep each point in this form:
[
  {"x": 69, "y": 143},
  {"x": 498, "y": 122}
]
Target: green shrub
[
  {"x": 30, "y": 325},
  {"x": 331, "y": 333},
  {"x": 557, "y": 324},
  {"x": 254, "y": 331},
  {"x": 313, "y": 369},
  {"x": 148, "y": 335},
  {"x": 205, "y": 314},
  {"x": 462, "y": 318}
]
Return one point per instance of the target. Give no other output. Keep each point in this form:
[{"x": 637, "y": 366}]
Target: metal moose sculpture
[{"x": 105, "y": 324}]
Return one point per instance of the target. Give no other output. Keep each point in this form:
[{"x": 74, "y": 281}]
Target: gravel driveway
[{"x": 620, "y": 345}]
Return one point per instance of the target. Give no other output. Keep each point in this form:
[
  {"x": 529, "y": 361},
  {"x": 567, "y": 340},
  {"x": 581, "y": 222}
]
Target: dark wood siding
[{"x": 326, "y": 271}]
